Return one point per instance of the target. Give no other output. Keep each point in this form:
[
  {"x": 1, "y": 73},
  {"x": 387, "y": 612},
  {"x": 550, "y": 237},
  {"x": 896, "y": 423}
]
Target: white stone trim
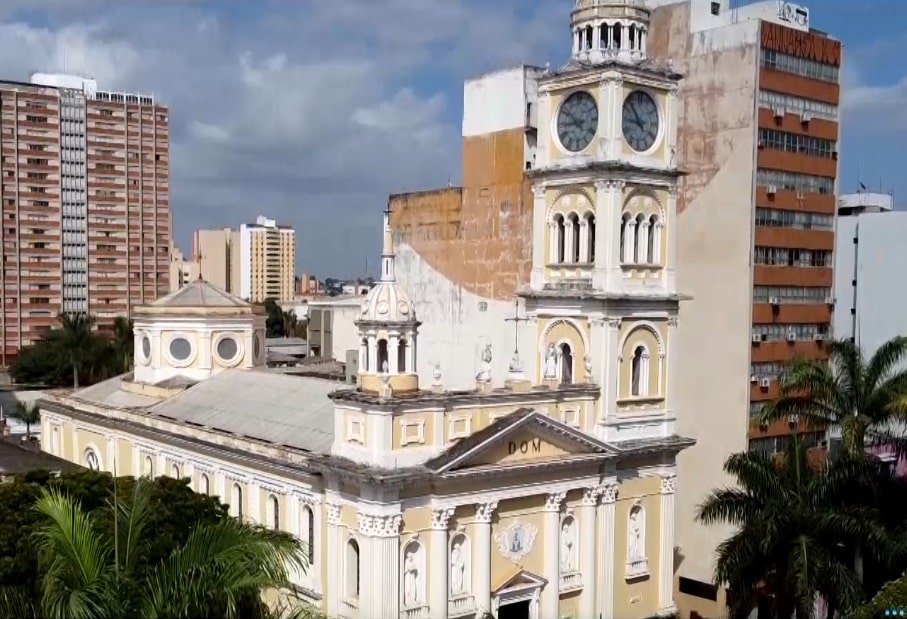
[
  {"x": 453, "y": 420},
  {"x": 355, "y": 430},
  {"x": 193, "y": 349},
  {"x": 406, "y": 425},
  {"x": 240, "y": 350},
  {"x": 512, "y": 492}
]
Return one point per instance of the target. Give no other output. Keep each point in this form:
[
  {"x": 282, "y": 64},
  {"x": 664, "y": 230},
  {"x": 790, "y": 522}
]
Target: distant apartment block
[
  {"x": 182, "y": 270},
  {"x": 85, "y": 204},
  {"x": 255, "y": 262}
]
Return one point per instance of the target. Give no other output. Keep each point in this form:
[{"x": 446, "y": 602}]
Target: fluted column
[
  {"x": 568, "y": 240},
  {"x": 552, "y": 570},
  {"x": 482, "y": 560},
  {"x": 666, "y": 550},
  {"x": 373, "y": 354},
  {"x": 642, "y": 242},
  {"x": 606, "y": 552},
  {"x": 584, "y": 240},
  {"x": 411, "y": 353},
  {"x": 670, "y": 261},
  {"x": 363, "y": 356},
  {"x": 393, "y": 353},
  {"x": 438, "y": 573},
  {"x": 586, "y": 514},
  {"x": 380, "y": 564},
  {"x": 333, "y": 589}
]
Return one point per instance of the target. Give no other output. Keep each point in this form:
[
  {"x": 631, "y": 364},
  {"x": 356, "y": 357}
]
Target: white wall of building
[
  {"x": 881, "y": 261},
  {"x": 456, "y": 326},
  {"x": 498, "y": 101},
  {"x": 245, "y": 262}
]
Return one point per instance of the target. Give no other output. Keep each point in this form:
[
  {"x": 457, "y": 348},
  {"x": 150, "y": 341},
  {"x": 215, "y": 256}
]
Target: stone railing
[
  {"x": 415, "y": 612},
  {"x": 461, "y": 605},
  {"x": 637, "y": 568},
  {"x": 571, "y": 581}
]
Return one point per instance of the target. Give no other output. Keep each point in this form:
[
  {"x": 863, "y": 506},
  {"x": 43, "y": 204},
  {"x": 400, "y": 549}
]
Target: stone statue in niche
[
  {"x": 384, "y": 367},
  {"x": 551, "y": 362},
  {"x": 634, "y": 534},
  {"x": 410, "y": 580},
  {"x": 485, "y": 374},
  {"x": 567, "y": 544},
  {"x": 457, "y": 569}
]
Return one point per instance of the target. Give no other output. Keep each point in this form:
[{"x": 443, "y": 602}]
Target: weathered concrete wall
[{"x": 716, "y": 145}]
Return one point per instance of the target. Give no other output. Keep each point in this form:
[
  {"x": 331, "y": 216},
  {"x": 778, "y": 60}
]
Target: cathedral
[{"x": 550, "y": 495}]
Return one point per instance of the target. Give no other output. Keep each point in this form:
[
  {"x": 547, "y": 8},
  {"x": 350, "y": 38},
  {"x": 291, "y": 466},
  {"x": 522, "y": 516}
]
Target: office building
[
  {"x": 267, "y": 254},
  {"x": 756, "y": 214},
  {"x": 216, "y": 252},
  {"x": 85, "y": 204}
]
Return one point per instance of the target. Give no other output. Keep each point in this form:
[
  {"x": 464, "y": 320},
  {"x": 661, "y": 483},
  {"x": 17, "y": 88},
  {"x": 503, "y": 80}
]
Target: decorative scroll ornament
[{"x": 516, "y": 541}]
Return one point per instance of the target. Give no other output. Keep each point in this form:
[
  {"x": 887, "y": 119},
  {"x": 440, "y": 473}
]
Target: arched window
[
  {"x": 236, "y": 500},
  {"x": 351, "y": 580},
  {"x": 640, "y": 239},
  {"x": 55, "y": 441},
  {"x": 616, "y": 36},
  {"x": 652, "y": 256},
  {"x": 365, "y": 356},
  {"x": 631, "y": 39},
  {"x": 175, "y": 471},
  {"x": 204, "y": 486},
  {"x": 382, "y": 356},
  {"x": 274, "y": 515},
  {"x": 566, "y": 362},
  {"x": 149, "y": 466},
  {"x": 603, "y": 31},
  {"x": 309, "y": 524},
  {"x": 559, "y": 239},
  {"x": 401, "y": 355},
  {"x": 626, "y": 243},
  {"x": 91, "y": 460},
  {"x": 639, "y": 372},
  {"x": 590, "y": 237},
  {"x": 574, "y": 238},
  {"x": 588, "y": 37}
]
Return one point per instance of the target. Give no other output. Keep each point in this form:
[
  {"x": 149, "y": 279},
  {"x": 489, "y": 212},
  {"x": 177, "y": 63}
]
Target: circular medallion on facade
[
  {"x": 383, "y": 307},
  {"x": 403, "y": 308}
]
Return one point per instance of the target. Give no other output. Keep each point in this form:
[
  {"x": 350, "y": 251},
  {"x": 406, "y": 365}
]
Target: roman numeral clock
[{"x": 640, "y": 121}]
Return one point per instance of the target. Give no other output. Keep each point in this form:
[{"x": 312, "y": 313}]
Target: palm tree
[
  {"x": 76, "y": 340},
  {"x": 858, "y": 396},
  {"x": 123, "y": 340},
  {"x": 29, "y": 414},
  {"x": 289, "y": 323},
  {"x": 796, "y": 528},
  {"x": 92, "y": 574}
]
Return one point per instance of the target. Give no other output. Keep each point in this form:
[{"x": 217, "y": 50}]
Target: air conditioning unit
[
  {"x": 834, "y": 155},
  {"x": 791, "y": 336},
  {"x": 761, "y": 143},
  {"x": 819, "y": 337},
  {"x": 805, "y": 117},
  {"x": 754, "y": 379},
  {"x": 771, "y": 190},
  {"x": 757, "y": 339},
  {"x": 778, "y": 112},
  {"x": 829, "y": 300},
  {"x": 774, "y": 301},
  {"x": 765, "y": 383}
]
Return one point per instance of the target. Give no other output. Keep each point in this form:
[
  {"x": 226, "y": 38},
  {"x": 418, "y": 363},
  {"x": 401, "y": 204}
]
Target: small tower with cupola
[
  {"x": 388, "y": 330},
  {"x": 608, "y": 30}
]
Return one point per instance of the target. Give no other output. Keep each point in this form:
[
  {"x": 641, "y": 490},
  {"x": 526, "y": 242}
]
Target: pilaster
[
  {"x": 204, "y": 351},
  {"x": 671, "y": 230},
  {"x": 605, "y": 586},
  {"x": 438, "y": 573},
  {"x": 671, "y": 360},
  {"x": 666, "y": 550},
  {"x": 482, "y": 560},
  {"x": 333, "y": 589},
  {"x": 586, "y": 513},
  {"x": 380, "y": 564},
  {"x": 544, "y": 137},
  {"x": 539, "y": 242},
  {"x": 610, "y": 370},
  {"x": 552, "y": 571}
]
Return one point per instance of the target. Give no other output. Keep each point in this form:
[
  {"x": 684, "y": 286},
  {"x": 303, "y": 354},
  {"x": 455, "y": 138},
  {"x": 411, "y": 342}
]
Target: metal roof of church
[{"x": 200, "y": 293}]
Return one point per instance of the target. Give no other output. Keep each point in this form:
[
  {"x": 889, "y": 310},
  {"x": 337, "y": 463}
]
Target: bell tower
[
  {"x": 388, "y": 330},
  {"x": 609, "y": 30}
]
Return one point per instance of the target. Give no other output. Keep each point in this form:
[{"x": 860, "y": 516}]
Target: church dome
[{"x": 388, "y": 302}]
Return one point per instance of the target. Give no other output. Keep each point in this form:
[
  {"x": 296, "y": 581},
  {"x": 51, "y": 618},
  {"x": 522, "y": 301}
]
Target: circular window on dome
[
  {"x": 227, "y": 349},
  {"x": 180, "y": 349}
]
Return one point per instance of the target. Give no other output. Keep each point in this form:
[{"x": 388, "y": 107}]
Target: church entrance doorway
[{"x": 514, "y": 610}]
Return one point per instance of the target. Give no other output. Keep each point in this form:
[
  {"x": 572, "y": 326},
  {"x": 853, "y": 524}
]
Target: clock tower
[{"x": 602, "y": 290}]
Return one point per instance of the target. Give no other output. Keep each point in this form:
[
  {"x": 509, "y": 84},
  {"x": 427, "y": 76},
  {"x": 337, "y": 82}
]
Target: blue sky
[{"x": 312, "y": 111}]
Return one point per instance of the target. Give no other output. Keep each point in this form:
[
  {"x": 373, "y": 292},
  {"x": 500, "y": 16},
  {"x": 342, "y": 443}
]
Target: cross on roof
[
  {"x": 198, "y": 260},
  {"x": 516, "y": 320}
]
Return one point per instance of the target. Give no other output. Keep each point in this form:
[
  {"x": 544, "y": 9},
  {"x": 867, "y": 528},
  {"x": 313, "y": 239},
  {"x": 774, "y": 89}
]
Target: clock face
[
  {"x": 577, "y": 121},
  {"x": 640, "y": 121}
]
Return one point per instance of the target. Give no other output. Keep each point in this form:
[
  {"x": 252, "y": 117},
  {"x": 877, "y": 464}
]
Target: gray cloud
[{"x": 309, "y": 111}]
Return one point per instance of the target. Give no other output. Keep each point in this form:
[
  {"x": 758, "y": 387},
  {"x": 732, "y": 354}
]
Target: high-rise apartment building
[
  {"x": 256, "y": 261},
  {"x": 85, "y": 204},
  {"x": 756, "y": 213},
  {"x": 267, "y": 254}
]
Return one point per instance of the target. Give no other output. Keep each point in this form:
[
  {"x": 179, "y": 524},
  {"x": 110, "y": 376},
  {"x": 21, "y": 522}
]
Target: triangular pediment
[
  {"x": 518, "y": 581},
  {"x": 523, "y": 436}
]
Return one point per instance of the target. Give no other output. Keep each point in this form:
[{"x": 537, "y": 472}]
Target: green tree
[
  {"x": 892, "y": 595},
  {"x": 858, "y": 396},
  {"x": 75, "y": 340},
  {"x": 796, "y": 528},
  {"x": 27, "y": 413},
  {"x": 289, "y": 323},
  {"x": 123, "y": 341},
  {"x": 274, "y": 322}
]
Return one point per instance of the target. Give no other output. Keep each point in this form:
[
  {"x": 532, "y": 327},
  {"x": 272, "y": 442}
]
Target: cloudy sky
[{"x": 312, "y": 111}]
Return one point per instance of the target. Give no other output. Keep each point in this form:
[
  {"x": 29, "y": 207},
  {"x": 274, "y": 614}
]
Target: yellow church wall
[
  {"x": 348, "y": 518},
  {"x": 416, "y": 520},
  {"x": 124, "y": 454},
  {"x": 413, "y": 430},
  {"x": 87, "y": 439},
  {"x": 636, "y": 333},
  {"x": 660, "y": 98},
  {"x": 557, "y": 97},
  {"x": 529, "y": 511},
  {"x": 520, "y": 446},
  {"x": 637, "y": 597},
  {"x": 569, "y": 605}
]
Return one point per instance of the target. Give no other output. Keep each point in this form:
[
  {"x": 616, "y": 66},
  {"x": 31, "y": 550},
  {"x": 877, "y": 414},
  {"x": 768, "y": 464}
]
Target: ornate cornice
[
  {"x": 553, "y": 501},
  {"x": 333, "y": 513},
  {"x": 669, "y": 483},
  {"x": 379, "y": 525},
  {"x": 609, "y": 493},
  {"x": 591, "y": 496},
  {"x": 441, "y": 517},
  {"x": 484, "y": 511}
]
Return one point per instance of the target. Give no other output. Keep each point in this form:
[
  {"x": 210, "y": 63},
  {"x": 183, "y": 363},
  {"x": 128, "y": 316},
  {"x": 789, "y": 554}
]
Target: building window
[
  {"x": 624, "y": 232},
  {"x": 639, "y": 372},
  {"x": 566, "y": 361},
  {"x": 590, "y": 236},
  {"x": 274, "y": 508},
  {"x": 149, "y": 466},
  {"x": 799, "y": 66},
  {"x": 794, "y": 181},
  {"x": 559, "y": 239},
  {"x": 798, "y": 143},
  {"x": 653, "y": 240},
  {"x": 382, "y": 356},
  {"x": 351, "y": 580},
  {"x": 204, "y": 486},
  {"x": 798, "y": 105},
  {"x": 175, "y": 471},
  {"x": 401, "y": 356},
  {"x": 792, "y": 257},
  {"x": 779, "y": 218},
  {"x": 309, "y": 517},
  {"x": 574, "y": 238},
  {"x": 91, "y": 460},
  {"x": 365, "y": 356},
  {"x": 236, "y": 502},
  {"x": 806, "y": 295}
]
